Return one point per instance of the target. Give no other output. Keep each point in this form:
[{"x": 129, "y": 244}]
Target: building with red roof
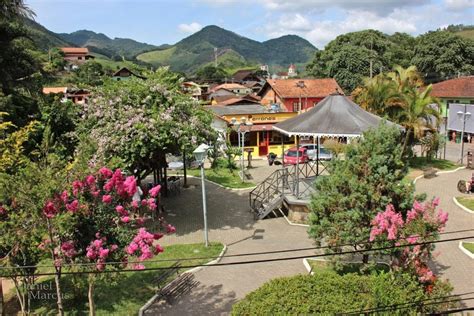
[
  {"x": 297, "y": 95},
  {"x": 76, "y": 55},
  {"x": 457, "y": 90}
]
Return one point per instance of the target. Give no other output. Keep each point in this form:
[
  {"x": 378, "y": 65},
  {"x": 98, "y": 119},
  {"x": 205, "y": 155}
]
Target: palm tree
[
  {"x": 405, "y": 77},
  {"x": 15, "y": 8},
  {"x": 379, "y": 96},
  {"x": 418, "y": 113}
]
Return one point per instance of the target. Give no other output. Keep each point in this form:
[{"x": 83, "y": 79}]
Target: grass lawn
[
  {"x": 320, "y": 266},
  {"x": 120, "y": 294},
  {"x": 440, "y": 164},
  {"x": 469, "y": 246},
  {"x": 466, "y": 201},
  {"x": 224, "y": 177}
]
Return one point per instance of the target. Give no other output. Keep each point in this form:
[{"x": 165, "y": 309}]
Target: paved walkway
[
  {"x": 231, "y": 223},
  {"x": 452, "y": 263}
]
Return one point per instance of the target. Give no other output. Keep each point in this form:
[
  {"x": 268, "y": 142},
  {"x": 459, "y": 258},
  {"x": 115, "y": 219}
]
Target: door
[{"x": 264, "y": 142}]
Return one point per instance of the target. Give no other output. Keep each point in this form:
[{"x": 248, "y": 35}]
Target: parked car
[
  {"x": 292, "y": 156},
  {"x": 324, "y": 154}
]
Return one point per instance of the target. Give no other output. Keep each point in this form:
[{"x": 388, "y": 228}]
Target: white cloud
[
  {"x": 320, "y": 32},
  {"x": 294, "y": 23},
  {"x": 190, "y": 28},
  {"x": 457, "y": 5},
  {"x": 382, "y": 7}
]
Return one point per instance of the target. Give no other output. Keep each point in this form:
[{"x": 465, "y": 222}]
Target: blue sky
[{"x": 319, "y": 21}]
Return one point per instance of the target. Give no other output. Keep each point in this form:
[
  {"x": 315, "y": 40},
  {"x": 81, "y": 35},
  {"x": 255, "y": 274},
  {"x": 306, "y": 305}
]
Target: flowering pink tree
[
  {"x": 97, "y": 222},
  {"x": 423, "y": 223}
]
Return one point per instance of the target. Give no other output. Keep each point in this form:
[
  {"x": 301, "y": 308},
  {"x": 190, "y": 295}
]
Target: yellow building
[{"x": 259, "y": 136}]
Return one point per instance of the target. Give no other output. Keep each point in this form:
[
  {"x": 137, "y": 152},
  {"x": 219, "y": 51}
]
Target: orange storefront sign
[{"x": 262, "y": 118}]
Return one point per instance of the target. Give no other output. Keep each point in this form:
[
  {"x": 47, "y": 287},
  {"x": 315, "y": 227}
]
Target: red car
[{"x": 291, "y": 158}]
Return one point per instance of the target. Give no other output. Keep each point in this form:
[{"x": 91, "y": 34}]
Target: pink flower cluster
[
  {"x": 68, "y": 250},
  {"x": 427, "y": 213},
  {"x": 142, "y": 246},
  {"x": 125, "y": 188},
  {"x": 97, "y": 251},
  {"x": 388, "y": 221},
  {"x": 422, "y": 218}
]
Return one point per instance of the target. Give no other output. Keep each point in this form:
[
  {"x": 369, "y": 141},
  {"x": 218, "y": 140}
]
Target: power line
[
  {"x": 234, "y": 255},
  {"x": 398, "y": 306},
  {"x": 246, "y": 262},
  {"x": 382, "y": 309}
]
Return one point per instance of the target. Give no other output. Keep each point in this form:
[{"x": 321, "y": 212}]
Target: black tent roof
[{"x": 335, "y": 116}]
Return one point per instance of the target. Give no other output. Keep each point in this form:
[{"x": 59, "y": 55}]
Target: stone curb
[
  {"x": 439, "y": 172},
  {"x": 222, "y": 186},
  {"x": 308, "y": 267},
  {"x": 455, "y": 200},
  {"x": 290, "y": 222},
  {"x": 467, "y": 252},
  {"x": 151, "y": 300}
]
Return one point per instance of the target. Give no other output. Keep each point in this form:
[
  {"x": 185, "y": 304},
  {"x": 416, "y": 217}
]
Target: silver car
[{"x": 311, "y": 149}]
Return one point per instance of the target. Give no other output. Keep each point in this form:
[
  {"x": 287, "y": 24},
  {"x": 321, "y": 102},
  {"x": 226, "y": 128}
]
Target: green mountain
[
  {"x": 198, "y": 49},
  {"x": 96, "y": 42},
  {"x": 44, "y": 38},
  {"x": 102, "y": 44}
]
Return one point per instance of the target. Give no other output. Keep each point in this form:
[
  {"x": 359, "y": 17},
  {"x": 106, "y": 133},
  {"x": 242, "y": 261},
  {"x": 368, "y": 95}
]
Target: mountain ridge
[{"x": 197, "y": 50}]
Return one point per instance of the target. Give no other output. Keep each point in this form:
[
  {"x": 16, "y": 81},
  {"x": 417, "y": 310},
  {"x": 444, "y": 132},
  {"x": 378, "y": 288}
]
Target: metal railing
[
  {"x": 274, "y": 185},
  {"x": 296, "y": 180}
]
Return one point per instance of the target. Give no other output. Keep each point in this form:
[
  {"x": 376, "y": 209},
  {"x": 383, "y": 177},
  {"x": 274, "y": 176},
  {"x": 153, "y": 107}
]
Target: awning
[
  {"x": 335, "y": 116},
  {"x": 261, "y": 127}
]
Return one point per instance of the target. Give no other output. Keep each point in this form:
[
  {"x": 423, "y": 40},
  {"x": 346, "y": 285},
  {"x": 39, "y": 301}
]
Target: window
[
  {"x": 295, "y": 106},
  {"x": 79, "y": 58}
]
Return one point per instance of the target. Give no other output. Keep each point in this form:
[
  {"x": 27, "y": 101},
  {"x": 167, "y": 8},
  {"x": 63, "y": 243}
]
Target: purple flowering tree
[
  {"x": 98, "y": 224},
  {"x": 139, "y": 121}
]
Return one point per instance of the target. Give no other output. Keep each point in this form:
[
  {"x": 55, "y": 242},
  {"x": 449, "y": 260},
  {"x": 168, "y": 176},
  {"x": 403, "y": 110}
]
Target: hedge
[{"x": 329, "y": 293}]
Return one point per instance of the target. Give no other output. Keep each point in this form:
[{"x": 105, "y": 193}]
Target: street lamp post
[
  {"x": 200, "y": 155},
  {"x": 463, "y": 116},
  {"x": 241, "y": 139}
]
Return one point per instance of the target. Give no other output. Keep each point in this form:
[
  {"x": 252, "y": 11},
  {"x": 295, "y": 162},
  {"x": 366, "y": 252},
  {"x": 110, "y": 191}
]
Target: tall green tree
[
  {"x": 19, "y": 70},
  {"x": 357, "y": 188},
  {"x": 348, "y": 58},
  {"x": 440, "y": 55},
  {"x": 211, "y": 73}
]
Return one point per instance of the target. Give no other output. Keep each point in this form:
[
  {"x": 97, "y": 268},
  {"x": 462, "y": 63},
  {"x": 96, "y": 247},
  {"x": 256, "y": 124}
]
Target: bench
[
  {"x": 179, "y": 286},
  {"x": 429, "y": 173},
  {"x": 174, "y": 268}
]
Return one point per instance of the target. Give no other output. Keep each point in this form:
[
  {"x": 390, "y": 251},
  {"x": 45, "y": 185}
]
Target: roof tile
[{"x": 462, "y": 87}]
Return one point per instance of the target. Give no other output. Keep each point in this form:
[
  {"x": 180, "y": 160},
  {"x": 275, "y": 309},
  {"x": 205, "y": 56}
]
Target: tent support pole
[
  {"x": 297, "y": 167},
  {"x": 317, "y": 157}
]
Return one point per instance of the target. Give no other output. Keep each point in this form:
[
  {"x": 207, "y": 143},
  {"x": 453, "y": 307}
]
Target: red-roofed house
[
  {"x": 458, "y": 90},
  {"x": 296, "y": 95},
  {"x": 234, "y": 88},
  {"x": 76, "y": 55},
  {"x": 77, "y": 96}
]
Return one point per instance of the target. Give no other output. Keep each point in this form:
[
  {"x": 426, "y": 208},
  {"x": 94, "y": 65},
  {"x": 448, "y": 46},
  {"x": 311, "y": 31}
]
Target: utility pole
[{"x": 215, "y": 57}]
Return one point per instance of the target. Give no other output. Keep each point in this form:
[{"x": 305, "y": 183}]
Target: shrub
[{"x": 328, "y": 293}]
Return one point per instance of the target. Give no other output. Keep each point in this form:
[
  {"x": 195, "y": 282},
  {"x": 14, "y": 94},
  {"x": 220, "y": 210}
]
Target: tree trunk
[
  {"x": 2, "y": 309},
  {"x": 57, "y": 276},
  {"x": 365, "y": 258},
  {"x": 405, "y": 143},
  {"x": 19, "y": 296},
  {"x": 58, "y": 292},
  {"x": 90, "y": 295}
]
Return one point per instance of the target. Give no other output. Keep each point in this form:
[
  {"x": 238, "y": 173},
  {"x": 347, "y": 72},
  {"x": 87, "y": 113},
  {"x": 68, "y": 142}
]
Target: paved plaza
[{"x": 230, "y": 222}]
